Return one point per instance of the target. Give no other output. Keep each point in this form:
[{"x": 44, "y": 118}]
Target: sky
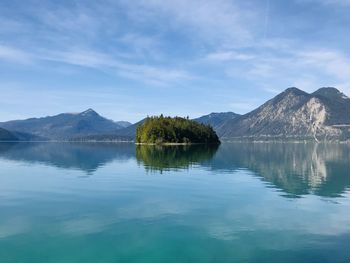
[{"x": 129, "y": 59}]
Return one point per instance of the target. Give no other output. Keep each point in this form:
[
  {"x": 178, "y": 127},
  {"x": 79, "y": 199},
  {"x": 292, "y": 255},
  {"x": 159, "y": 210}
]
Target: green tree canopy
[{"x": 159, "y": 130}]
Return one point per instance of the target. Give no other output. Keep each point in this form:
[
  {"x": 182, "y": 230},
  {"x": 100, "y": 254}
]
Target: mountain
[
  {"x": 338, "y": 105},
  {"x": 294, "y": 114},
  {"x": 125, "y": 134},
  {"x": 216, "y": 119},
  {"x": 123, "y": 124},
  {"x": 130, "y": 131},
  {"x": 26, "y": 137},
  {"x": 65, "y": 126},
  {"x": 6, "y": 135}
]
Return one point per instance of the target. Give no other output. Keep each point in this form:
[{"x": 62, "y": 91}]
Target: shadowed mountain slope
[
  {"x": 216, "y": 119},
  {"x": 6, "y": 135}
]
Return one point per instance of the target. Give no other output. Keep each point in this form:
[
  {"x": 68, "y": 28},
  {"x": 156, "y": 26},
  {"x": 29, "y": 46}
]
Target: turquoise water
[{"x": 118, "y": 203}]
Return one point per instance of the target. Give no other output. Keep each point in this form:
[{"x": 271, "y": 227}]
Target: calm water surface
[{"x": 121, "y": 203}]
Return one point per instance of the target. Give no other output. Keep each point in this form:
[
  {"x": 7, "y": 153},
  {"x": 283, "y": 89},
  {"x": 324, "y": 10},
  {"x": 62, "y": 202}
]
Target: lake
[{"x": 239, "y": 202}]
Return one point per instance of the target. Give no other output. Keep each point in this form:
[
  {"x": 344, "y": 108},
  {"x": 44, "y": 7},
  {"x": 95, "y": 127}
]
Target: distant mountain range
[
  {"x": 65, "y": 126},
  {"x": 291, "y": 115},
  {"x": 126, "y": 134}
]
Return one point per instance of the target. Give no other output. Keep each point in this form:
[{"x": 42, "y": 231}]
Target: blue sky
[{"x": 128, "y": 59}]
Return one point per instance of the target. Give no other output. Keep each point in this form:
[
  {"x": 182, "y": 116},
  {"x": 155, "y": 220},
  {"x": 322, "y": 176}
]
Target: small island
[{"x": 177, "y": 130}]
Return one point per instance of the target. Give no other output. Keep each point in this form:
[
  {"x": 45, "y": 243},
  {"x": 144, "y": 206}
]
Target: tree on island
[{"x": 162, "y": 130}]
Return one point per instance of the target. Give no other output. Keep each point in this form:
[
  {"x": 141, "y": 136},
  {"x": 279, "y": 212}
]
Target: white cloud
[
  {"x": 229, "y": 56},
  {"x": 142, "y": 72},
  {"x": 14, "y": 55},
  {"x": 306, "y": 68},
  {"x": 141, "y": 43},
  {"x": 226, "y": 31},
  {"x": 93, "y": 59},
  {"x": 262, "y": 70},
  {"x": 153, "y": 75},
  {"x": 343, "y": 3},
  {"x": 220, "y": 20},
  {"x": 75, "y": 22},
  {"x": 332, "y": 62}
]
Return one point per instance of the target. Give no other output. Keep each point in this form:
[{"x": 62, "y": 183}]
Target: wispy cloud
[
  {"x": 307, "y": 68},
  {"x": 328, "y": 2},
  {"x": 198, "y": 47},
  {"x": 162, "y": 76},
  {"x": 14, "y": 55},
  {"x": 229, "y": 56},
  {"x": 332, "y": 62},
  {"x": 147, "y": 73},
  {"x": 222, "y": 20},
  {"x": 142, "y": 45}
]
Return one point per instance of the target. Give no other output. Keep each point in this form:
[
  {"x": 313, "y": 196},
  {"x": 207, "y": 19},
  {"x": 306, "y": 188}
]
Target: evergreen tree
[{"x": 162, "y": 129}]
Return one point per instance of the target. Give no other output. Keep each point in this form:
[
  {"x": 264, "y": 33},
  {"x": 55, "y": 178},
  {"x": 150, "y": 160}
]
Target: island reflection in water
[
  {"x": 295, "y": 168},
  {"x": 63, "y": 202},
  {"x": 163, "y": 158}
]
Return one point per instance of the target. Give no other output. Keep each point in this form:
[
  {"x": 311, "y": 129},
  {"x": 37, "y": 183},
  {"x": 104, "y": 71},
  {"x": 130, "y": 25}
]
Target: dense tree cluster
[{"x": 162, "y": 129}]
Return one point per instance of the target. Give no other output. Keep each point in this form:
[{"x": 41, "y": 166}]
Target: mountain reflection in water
[
  {"x": 295, "y": 169},
  {"x": 87, "y": 157}
]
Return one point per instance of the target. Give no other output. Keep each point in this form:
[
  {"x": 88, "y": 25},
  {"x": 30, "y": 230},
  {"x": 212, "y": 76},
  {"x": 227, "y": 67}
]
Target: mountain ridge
[
  {"x": 216, "y": 119},
  {"x": 294, "y": 114},
  {"x": 64, "y": 126},
  {"x": 291, "y": 115}
]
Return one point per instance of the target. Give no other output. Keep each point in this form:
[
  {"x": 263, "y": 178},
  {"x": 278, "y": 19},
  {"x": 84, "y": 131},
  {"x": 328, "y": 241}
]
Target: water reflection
[
  {"x": 87, "y": 157},
  {"x": 295, "y": 169},
  {"x": 222, "y": 212},
  {"x": 162, "y": 158}
]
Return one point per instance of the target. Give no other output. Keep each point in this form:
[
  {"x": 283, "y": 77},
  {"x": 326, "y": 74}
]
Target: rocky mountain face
[
  {"x": 294, "y": 114},
  {"x": 64, "y": 126},
  {"x": 216, "y": 119}
]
